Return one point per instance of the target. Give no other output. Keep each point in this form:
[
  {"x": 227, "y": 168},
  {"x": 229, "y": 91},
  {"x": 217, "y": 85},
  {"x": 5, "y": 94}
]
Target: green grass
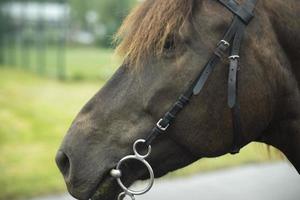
[
  {"x": 82, "y": 63},
  {"x": 35, "y": 114}
]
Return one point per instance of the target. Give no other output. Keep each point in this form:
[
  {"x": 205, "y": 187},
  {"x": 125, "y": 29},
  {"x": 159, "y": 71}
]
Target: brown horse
[{"x": 165, "y": 43}]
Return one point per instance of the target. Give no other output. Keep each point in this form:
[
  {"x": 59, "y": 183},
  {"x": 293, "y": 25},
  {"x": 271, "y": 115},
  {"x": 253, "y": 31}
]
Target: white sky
[{"x": 35, "y": 11}]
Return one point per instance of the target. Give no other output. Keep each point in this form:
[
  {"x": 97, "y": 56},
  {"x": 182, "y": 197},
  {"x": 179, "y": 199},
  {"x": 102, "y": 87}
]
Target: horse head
[{"x": 165, "y": 45}]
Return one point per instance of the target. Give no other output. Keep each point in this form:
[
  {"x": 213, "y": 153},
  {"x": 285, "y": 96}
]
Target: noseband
[{"x": 243, "y": 14}]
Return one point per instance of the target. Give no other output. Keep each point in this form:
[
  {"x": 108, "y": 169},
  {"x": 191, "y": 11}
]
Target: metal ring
[
  {"x": 137, "y": 153},
  {"x": 124, "y": 194},
  {"x": 151, "y": 180},
  {"x": 233, "y": 57}
]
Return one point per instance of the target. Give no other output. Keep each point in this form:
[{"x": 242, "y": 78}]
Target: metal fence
[{"x": 33, "y": 36}]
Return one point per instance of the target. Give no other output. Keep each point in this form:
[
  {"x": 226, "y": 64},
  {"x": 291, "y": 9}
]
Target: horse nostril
[{"x": 63, "y": 163}]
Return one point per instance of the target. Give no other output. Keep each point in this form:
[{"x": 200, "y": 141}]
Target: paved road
[{"x": 277, "y": 181}]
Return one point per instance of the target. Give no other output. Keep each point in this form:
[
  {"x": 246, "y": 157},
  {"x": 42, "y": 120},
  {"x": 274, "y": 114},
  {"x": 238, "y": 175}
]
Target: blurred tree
[
  {"x": 112, "y": 13},
  {"x": 79, "y": 12},
  {"x": 2, "y": 31},
  {"x": 109, "y": 15}
]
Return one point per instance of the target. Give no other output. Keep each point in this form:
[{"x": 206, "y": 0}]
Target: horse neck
[
  {"x": 284, "y": 130},
  {"x": 284, "y": 16}
]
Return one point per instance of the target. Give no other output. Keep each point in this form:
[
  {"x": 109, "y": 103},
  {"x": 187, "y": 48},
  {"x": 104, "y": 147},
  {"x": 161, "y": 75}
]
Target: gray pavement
[{"x": 277, "y": 181}]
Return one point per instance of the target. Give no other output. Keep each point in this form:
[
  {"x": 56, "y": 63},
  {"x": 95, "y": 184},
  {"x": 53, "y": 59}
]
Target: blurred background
[{"x": 54, "y": 55}]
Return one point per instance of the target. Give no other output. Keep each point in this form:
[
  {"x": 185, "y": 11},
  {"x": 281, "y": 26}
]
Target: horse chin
[{"x": 108, "y": 189}]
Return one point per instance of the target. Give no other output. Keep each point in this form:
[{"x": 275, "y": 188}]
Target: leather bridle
[{"x": 232, "y": 39}]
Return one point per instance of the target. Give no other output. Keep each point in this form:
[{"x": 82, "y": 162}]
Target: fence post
[
  {"x": 24, "y": 38},
  {"x": 5, "y": 40},
  {"x": 40, "y": 43},
  {"x": 4, "y": 25},
  {"x": 61, "y": 52},
  {"x": 11, "y": 39},
  {"x": 2, "y": 29}
]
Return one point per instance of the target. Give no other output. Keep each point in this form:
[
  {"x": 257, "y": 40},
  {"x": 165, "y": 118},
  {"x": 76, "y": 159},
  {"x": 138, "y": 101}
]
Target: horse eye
[{"x": 169, "y": 44}]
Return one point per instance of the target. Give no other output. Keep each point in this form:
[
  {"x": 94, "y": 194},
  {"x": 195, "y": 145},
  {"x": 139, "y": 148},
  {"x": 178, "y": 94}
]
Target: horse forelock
[{"x": 147, "y": 28}]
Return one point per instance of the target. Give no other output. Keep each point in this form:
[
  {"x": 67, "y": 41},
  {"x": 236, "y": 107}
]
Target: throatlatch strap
[
  {"x": 233, "y": 90},
  {"x": 233, "y": 65},
  {"x": 233, "y": 80}
]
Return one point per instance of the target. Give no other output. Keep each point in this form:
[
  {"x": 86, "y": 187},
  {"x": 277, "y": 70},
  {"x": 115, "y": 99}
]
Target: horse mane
[{"x": 147, "y": 28}]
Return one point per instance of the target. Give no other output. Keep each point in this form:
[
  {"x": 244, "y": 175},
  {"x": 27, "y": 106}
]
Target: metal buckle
[
  {"x": 233, "y": 57},
  {"x": 160, "y": 126},
  {"x": 224, "y": 42}
]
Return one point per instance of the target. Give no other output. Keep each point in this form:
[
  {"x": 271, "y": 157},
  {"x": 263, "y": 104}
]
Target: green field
[
  {"x": 36, "y": 113},
  {"x": 81, "y": 63}
]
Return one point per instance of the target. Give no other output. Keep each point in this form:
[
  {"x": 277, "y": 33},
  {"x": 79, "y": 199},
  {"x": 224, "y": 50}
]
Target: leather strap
[
  {"x": 233, "y": 79},
  {"x": 218, "y": 53},
  {"x": 237, "y": 129},
  {"x": 205, "y": 74},
  {"x": 194, "y": 89},
  {"x": 233, "y": 65},
  {"x": 243, "y": 15}
]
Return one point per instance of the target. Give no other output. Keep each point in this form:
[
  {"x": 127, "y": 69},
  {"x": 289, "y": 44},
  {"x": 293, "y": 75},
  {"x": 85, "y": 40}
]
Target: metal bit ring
[
  {"x": 124, "y": 194},
  {"x": 151, "y": 180},
  {"x": 136, "y": 151}
]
